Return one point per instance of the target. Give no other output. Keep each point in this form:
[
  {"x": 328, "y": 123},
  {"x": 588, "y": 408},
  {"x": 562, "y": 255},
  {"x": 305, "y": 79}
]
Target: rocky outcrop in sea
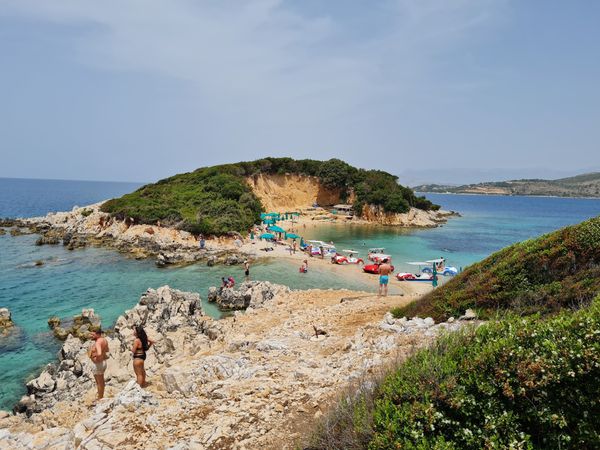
[
  {"x": 170, "y": 317},
  {"x": 6, "y": 323},
  {"x": 88, "y": 226},
  {"x": 250, "y": 294}
]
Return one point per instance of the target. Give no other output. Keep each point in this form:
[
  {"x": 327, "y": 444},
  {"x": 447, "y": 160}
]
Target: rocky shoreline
[
  {"x": 252, "y": 380},
  {"x": 88, "y": 226}
]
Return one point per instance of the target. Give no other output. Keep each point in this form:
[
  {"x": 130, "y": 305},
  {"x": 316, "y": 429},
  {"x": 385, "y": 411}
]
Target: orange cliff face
[{"x": 291, "y": 191}]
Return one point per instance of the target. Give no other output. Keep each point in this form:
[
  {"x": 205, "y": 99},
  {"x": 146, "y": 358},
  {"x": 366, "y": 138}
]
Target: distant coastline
[
  {"x": 580, "y": 186},
  {"x": 475, "y": 194}
]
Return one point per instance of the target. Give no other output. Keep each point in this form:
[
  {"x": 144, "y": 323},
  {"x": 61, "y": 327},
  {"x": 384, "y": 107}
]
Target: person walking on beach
[
  {"x": 141, "y": 344},
  {"x": 294, "y": 246},
  {"x": 98, "y": 353},
  {"x": 384, "y": 277},
  {"x": 247, "y": 269}
]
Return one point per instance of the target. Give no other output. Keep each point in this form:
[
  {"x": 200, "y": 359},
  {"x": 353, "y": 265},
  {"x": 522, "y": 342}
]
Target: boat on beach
[
  {"x": 407, "y": 276},
  {"x": 377, "y": 261},
  {"x": 376, "y": 253},
  {"x": 347, "y": 257}
]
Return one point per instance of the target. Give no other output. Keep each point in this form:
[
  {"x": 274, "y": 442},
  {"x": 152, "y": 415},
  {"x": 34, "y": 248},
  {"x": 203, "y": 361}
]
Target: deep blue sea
[{"x": 111, "y": 283}]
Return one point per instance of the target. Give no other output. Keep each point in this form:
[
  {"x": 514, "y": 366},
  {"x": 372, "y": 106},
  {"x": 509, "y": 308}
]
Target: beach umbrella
[
  {"x": 268, "y": 222},
  {"x": 277, "y": 229},
  {"x": 292, "y": 236},
  {"x": 267, "y": 236},
  {"x": 301, "y": 242}
]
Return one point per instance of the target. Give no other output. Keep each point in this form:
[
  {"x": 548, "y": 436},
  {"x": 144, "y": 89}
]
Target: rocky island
[{"x": 163, "y": 220}]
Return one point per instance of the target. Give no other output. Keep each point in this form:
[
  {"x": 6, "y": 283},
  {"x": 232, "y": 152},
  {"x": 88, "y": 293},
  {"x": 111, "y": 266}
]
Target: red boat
[
  {"x": 350, "y": 257},
  {"x": 374, "y": 268}
]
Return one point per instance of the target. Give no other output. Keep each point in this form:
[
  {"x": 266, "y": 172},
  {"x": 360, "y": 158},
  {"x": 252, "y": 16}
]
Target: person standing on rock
[
  {"x": 141, "y": 344},
  {"x": 98, "y": 353},
  {"x": 384, "y": 277}
]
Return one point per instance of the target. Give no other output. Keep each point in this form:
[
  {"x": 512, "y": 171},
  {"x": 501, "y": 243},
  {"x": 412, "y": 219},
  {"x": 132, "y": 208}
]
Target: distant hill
[
  {"x": 586, "y": 185},
  {"x": 219, "y": 199}
]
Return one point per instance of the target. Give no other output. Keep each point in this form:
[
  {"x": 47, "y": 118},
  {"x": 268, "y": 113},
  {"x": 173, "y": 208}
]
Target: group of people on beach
[{"x": 99, "y": 353}]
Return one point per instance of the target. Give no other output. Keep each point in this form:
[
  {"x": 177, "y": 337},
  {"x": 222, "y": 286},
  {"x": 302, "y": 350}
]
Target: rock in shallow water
[{"x": 250, "y": 294}]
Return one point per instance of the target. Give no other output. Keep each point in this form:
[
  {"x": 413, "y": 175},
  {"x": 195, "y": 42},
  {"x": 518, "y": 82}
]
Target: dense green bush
[
  {"x": 517, "y": 383},
  {"x": 215, "y": 200},
  {"x": 557, "y": 270}
]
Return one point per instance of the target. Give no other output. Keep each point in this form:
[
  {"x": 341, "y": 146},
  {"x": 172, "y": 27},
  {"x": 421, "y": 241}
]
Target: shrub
[
  {"x": 515, "y": 383},
  {"x": 215, "y": 200},
  {"x": 520, "y": 383}
]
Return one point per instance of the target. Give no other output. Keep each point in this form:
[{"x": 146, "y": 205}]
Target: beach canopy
[
  {"x": 267, "y": 236},
  {"x": 268, "y": 222},
  {"x": 277, "y": 229},
  {"x": 292, "y": 236},
  {"x": 437, "y": 261}
]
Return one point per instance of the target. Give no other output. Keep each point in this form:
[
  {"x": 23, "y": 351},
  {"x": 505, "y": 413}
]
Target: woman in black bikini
[{"x": 141, "y": 344}]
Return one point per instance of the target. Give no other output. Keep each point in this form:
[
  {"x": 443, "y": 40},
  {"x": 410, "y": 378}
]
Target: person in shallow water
[
  {"x": 141, "y": 344},
  {"x": 304, "y": 267},
  {"x": 384, "y": 277},
  {"x": 99, "y": 353}
]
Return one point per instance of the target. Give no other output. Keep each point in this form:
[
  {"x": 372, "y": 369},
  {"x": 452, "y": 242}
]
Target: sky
[{"x": 434, "y": 90}]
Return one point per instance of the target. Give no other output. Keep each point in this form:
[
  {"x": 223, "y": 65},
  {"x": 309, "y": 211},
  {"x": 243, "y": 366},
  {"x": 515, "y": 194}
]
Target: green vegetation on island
[
  {"x": 586, "y": 185},
  {"x": 518, "y": 382},
  {"x": 217, "y": 200}
]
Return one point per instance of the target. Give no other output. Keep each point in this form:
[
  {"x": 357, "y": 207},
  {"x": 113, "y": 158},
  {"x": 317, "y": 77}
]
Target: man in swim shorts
[
  {"x": 98, "y": 353},
  {"x": 384, "y": 277}
]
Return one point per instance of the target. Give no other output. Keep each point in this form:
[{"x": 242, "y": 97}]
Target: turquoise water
[
  {"x": 487, "y": 224},
  {"x": 111, "y": 283},
  {"x": 107, "y": 281}
]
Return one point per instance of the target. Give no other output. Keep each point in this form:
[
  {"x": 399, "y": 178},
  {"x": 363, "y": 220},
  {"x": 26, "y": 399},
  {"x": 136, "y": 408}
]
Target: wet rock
[
  {"x": 51, "y": 237},
  {"x": 213, "y": 294},
  {"x": 172, "y": 318},
  {"x": 211, "y": 261},
  {"x": 6, "y": 322},
  {"x": 234, "y": 259},
  {"x": 2, "y": 231},
  {"x": 80, "y": 326}
]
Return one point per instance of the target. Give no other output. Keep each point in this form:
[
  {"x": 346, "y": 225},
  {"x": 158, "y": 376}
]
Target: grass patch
[{"x": 522, "y": 383}]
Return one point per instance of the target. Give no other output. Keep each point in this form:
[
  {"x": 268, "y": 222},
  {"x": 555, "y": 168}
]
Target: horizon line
[{"x": 73, "y": 179}]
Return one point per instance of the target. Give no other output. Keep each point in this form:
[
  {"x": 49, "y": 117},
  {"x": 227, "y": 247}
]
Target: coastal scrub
[{"x": 522, "y": 383}]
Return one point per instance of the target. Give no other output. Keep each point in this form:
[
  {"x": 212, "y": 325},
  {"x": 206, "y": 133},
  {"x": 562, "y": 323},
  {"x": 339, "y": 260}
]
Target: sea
[{"x": 112, "y": 283}]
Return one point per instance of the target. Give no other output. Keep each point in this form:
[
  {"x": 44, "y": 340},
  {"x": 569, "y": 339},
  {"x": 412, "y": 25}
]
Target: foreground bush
[
  {"x": 518, "y": 383},
  {"x": 555, "y": 271}
]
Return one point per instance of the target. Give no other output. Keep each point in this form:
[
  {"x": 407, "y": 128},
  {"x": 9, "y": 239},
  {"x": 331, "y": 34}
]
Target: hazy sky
[{"x": 142, "y": 89}]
